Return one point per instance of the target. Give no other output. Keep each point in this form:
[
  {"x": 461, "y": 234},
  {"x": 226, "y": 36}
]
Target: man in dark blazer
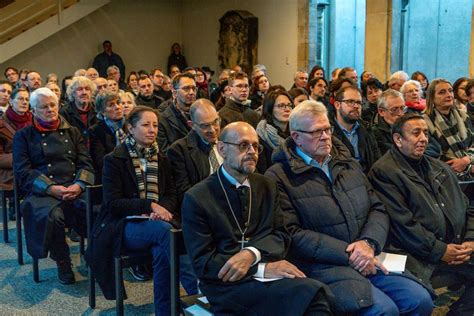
[
  {"x": 52, "y": 166},
  {"x": 173, "y": 123},
  {"x": 195, "y": 156},
  {"x": 337, "y": 223},
  {"x": 349, "y": 129},
  {"x": 235, "y": 236}
]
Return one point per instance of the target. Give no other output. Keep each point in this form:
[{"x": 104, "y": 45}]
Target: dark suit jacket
[
  {"x": 189, "y": 158},
  {"x": 121, "y": 198},
  {"x": 102, "y": 142},
  {"x": 171, "y": 127},
  {"x": 233, "y": 112},
  {"x": 70, "y": 113}
]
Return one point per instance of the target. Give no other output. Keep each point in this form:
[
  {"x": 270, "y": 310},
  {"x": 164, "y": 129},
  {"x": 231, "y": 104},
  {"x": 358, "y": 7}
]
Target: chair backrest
[{"x": 93, "y": 198}]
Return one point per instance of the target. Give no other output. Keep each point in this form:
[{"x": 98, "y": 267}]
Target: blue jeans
[
  {"x": 155, "y": 236},
  {"x": 394, "y": 295}
]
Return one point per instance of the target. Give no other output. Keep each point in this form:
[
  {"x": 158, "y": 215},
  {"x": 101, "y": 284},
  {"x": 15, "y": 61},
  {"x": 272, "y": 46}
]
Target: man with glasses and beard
[
  {"x": 337, "y": 223},
  {"x": 347, "y": 127},
  {"x": 235, "y": 236}
]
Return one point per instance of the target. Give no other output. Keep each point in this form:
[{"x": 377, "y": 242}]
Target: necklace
[{"x": 243, "y": 240}]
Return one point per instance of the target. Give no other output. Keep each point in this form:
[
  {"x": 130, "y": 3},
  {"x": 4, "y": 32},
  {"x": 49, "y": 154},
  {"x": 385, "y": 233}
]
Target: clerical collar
[{"x": 234, "y": 181}]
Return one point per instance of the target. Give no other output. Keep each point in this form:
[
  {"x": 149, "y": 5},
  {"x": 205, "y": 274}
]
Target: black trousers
[{"x": 66, "y": 215}]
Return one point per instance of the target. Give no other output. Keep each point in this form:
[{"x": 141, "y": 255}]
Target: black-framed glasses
[
  {"x": 284, "y": 106},
  {"x": 396, "y": 110},
  {"x": 244, "y": 146},
  {"x": 352, "y": 102},
  {"x": 319, "y": 132}
]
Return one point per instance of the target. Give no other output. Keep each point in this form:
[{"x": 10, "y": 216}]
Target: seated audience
[
  {"x": 57, "y": 91},
  {"x": 11, "y": 74},
  {"x": 234, "y": 233},
  {"x": 272, "y": 130},
  {"x": 237, "y": 106},
  {"x": 132, "y": 83},
  {"x": 223, "y": 76},
  {"x": 259, "y": 88},
  {"x": 5, "y": 93},
  {"x": 80, "y": 112},
  {"x": 423, "y": 80},
  {"x": 101, "y": 85},
  {"x": 316, "y": 72},
  {"x": 347, "y": 128},
  {"x": 33, "y": 81},
  {"x": 411, "y": 91},
  {"x": 201, "y": 83},
  {"x": 52, "y": 166},
  {"x": 112, "y": 86},
  {"x": 397, "y": 79},
  {"x": 106, "y": 133},
  {"x": 92, "y": 74},
  {"x": 430, "y": 218},
  {"x": 174, "y": 119},
  {"x": 194, "y": 157},
  {"x": 225, "y": 93},
  {"x": 146, "y": 95},
  {"x": 470, "y": 97},
  {"x": 318, "y": 88},
  {"x": 113, "y": 73},
  {"x": 173, "y": 70},
  {"x": 137, "y": 182},
  {"x": 300, "y": 79},
  {"x": 349, "y": 73},
  {"x": 460, "y": 97},
  {"x": 449, "y": 127},
  {"x": 338, "y": 242}
]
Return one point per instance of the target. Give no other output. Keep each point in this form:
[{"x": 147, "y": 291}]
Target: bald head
[
  {"x": 235, "y": 131},
  {"x": 205, "y": 120}
]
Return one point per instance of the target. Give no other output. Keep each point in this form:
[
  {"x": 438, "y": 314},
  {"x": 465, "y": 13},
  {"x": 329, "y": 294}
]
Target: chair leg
[
  {"x": 82, "y": 246},
  {"x": 4, "y": 216},
  {"x": 35, "y": 270},
  {"x": 19, "y": 236},
  {"x": 91, "y": 288},
  {"x": 174, "y": 277},
  {"x": 118, "y": 287}
]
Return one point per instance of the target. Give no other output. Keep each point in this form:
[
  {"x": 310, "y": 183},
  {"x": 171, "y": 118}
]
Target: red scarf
[
  {"x": 18, "y": 120},
  {"x": 417, "y": 106},
  {"x": 84, "y": 114},
  {"x": 43, "y": 126}
]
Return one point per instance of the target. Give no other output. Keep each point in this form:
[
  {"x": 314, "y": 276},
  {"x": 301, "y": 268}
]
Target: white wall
[
  {"x": 141, "y": 31},
  {"x": 277, "y": 33}
]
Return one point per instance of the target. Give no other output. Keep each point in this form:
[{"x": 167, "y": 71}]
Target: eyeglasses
[
  {"x": 242, "y": 86},
  {"x": 244, "y": 147},
  {"x": 284, "y": 106},
  {"x": 352, "y": 103},
  {"x": 188, "y": 89},
  {"x": 319, "y": 132},
  {"x": 214, "y": 123},
  {"x": 396, "y": 110}
]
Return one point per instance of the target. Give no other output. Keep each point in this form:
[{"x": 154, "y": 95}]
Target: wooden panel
[{"x": 4, "y": 3}]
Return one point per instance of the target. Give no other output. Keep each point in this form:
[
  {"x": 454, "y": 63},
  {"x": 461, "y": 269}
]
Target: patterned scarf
[
  {"x": 148, "y": 183},
  {"x": 116, "y": 128},
  {"x": 269, "y": 134},
  {"x": 452, "y": 129}
]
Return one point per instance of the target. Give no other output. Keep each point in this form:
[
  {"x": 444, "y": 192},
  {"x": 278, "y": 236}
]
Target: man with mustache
[
  {"x": 80, "y": 112},
  {"x": 195, "y": 156},
  {"x": 234, "y": 233},
  {"x": 173, "y": 123},
  {"x": 337, "y": 223},
  {"x": 33, "y": 81},
  {"x": 430, "y": 218},
  {"x": 347, "y": 127}
]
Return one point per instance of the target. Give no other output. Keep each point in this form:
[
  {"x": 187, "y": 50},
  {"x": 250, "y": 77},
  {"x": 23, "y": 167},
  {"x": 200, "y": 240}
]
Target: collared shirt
[
  {"x": 311, "y": 162},
  {"x": 220, "y": 160},
  {"x": 261, "y": 266},
  {"x": 353, "y": 137}
]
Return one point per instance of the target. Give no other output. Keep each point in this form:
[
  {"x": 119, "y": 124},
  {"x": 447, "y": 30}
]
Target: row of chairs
[{"x": 93, "y": 201}]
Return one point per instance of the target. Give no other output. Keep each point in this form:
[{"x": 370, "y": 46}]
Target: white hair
[
  {"x": 303, "y": 110},
  {"x": 76, "y": 83},
  {"x": 409, "y": 82},
  {"x": 389, "y": 93},
  {"x": 399, "y": 75},
  {"x": 42, "y": 92}
]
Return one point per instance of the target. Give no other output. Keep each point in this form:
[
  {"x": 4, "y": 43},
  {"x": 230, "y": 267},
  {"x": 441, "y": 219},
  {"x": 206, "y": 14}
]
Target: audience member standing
[
  {"x": 106, "y": 59},
  {"x": 176, "y": 58}
]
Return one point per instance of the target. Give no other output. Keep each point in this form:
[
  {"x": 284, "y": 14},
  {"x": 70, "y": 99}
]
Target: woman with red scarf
[
  {"x": 412, "y": 91},
  {"x": 16, "y": 117}
]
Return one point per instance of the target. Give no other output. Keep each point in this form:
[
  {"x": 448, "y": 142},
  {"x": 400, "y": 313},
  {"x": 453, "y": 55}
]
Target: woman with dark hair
[
  {"x": 139, "y": 208},
  {"x": 15, "y": 118},
  {"x": 450, "y": 127},
  {"x": 316, "y": 72},
  {"x": 298, "y": 95},
  {"x": 460, "y": 97},
  {"x": 423, "y": 80},
  {"x": 260, "y": 86},
  {"x": 201, "y": 83},
  {"x": 107, "y": 133},
  {"x": 132, "y": 83},
  {"x": 273, "y": 129},
  {"x": 371, "y": 93},
  {"x": 176, "y": 58},
  {"x": 64, "y": 85}
]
